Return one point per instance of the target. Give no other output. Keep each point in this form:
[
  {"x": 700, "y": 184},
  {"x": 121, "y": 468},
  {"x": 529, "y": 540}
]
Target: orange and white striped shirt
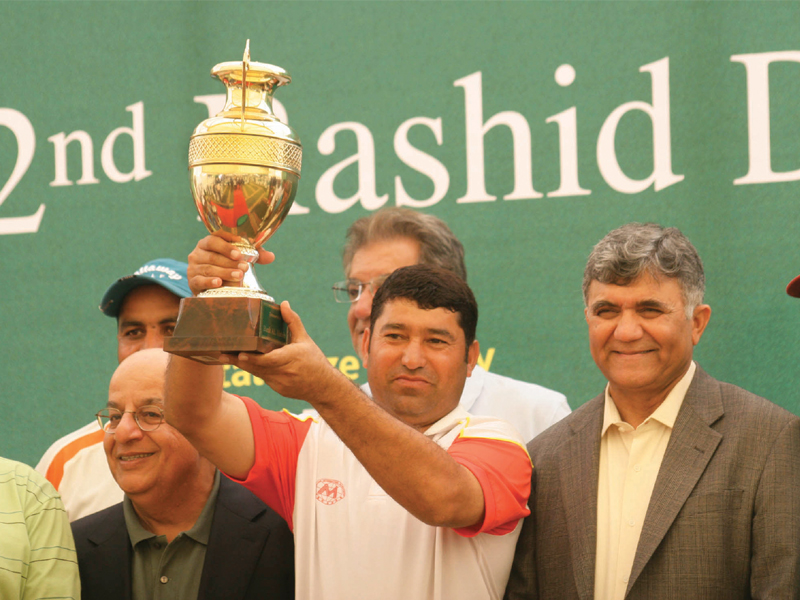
[{"x": 76, "y": 465}]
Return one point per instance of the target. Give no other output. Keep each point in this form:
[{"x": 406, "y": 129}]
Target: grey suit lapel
[
  {"x": 690, "y": 448},
  {"x": 578, "y": 471}
]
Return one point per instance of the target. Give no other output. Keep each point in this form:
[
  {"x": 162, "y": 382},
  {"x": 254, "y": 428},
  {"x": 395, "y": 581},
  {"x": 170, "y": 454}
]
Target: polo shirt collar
[
  {"x": 665, "y": 414},
  {"x": 200, "y": 531},
  {"x": 473, "y": 387},
  {"x": 446, "y": 423}
]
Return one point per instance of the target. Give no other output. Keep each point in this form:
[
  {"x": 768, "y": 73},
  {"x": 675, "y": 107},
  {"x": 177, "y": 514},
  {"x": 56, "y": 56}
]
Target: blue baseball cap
[{"x": 169, "y": 274}]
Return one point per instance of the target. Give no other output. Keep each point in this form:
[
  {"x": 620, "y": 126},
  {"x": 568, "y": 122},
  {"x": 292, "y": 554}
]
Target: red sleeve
[
  {"x": 278, "y": 438},
  {"x": 503, "y": 470}
]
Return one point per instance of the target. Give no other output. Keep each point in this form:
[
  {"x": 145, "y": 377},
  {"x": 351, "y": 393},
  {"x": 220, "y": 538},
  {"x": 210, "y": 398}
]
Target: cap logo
[{"x": 160, "y": 269}]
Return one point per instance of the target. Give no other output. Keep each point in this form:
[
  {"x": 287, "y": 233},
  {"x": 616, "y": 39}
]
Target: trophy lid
[
  {"x": 246, "y": 132},
  {"x": 257, "y": 72}
]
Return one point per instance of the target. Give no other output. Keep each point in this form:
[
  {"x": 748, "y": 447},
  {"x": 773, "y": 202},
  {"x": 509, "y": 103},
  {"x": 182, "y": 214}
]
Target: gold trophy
[{"x": 244, "y": 167}]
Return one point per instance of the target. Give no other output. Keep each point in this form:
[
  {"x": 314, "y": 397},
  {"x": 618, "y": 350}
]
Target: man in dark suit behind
[
  {"x": 181, "y": 525},
  {"x": 670, "y": 484}
]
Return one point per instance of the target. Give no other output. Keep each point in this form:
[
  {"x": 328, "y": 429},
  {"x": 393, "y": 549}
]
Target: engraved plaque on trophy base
[{"x": 209, "y": 327}]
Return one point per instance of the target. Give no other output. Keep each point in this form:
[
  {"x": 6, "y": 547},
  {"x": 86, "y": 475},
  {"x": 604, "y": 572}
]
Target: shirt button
[
  {"x": 637, "y": 468},
  {"x": 631, "y": 522},
  {"x": 164, "y": 579}
]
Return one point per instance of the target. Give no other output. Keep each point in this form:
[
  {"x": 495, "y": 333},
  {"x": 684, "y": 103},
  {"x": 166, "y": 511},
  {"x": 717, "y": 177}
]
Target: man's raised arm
[
  {"x": 417, "y": 473},
  {"x": 215, "y": 422},
  {"x": 211, "y": 419},
  {"x": 420, "y": 475}
]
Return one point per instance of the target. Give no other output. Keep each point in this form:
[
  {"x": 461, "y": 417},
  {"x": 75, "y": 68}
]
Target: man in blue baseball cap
[{"x": 145, "y": 305}]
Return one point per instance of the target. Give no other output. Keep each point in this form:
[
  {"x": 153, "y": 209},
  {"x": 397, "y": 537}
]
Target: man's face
[
  {"x": 416, "y": 362},
  {"x": 639, "y": 335},
  {"x": 144, "y": 462},
  {"x": 148, "y": 315},
  {"x": 378, "y": 258}
]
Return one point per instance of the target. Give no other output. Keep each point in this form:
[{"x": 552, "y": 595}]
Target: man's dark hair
[{"x": 429, "y": 287}]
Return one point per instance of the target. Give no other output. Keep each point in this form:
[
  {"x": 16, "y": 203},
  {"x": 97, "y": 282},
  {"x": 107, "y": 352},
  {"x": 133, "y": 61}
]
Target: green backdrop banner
[{"x": 531, "y": 128}]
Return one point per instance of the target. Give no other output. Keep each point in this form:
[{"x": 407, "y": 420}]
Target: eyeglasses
[
  {"x": 351, "y": 290},
  {"x": 148, "y": 418}
]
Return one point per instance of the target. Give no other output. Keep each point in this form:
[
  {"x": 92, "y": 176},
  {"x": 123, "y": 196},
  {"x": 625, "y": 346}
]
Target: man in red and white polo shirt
[{"x": 405, "y": 495}]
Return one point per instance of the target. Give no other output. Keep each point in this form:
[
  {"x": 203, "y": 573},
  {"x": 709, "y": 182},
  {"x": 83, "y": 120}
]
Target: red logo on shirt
[{"x": 329, "y": 491}]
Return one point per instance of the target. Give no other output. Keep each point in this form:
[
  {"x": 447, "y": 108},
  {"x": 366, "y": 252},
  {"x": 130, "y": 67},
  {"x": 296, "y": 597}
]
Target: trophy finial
[{"x": 245, "y": 67}]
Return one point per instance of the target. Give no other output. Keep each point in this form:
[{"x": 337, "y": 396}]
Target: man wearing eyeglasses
[
  {"x": 145, "y": 305},
  {"x": 375, "y": 246},
  {"x": 397, "y": 237},
  {"x": 182, "y": 531}
]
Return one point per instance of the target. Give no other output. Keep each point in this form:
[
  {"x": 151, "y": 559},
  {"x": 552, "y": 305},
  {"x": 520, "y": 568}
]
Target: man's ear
[
  {"x": 366, "y": 336},
  {"x": 700, "y": 318},
  {"x": 472, "y": 356}
]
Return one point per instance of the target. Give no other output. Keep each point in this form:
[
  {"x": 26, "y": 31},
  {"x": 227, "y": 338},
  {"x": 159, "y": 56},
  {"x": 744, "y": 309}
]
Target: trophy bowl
[{"x": 244, "y": 166}]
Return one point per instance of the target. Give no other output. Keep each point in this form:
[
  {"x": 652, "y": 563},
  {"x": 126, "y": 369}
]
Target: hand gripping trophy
[{"x": 244, "y": 167}]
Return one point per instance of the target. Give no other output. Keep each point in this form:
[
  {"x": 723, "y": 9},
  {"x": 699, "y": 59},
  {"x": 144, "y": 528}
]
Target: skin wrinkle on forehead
[
  {"x": 431, "y": 331},
  {"x": 642, "y": 304},
  {"x": 134, "y": 323},
  {"x": 139, "y": 403}
]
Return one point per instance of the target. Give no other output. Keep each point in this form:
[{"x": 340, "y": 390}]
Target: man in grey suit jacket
[
  {"x": 670, "y": 484},
  {"x": 182, "y": 530}
]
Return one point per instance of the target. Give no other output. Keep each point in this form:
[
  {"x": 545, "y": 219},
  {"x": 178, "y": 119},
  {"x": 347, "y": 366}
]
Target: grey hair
[
  {"x": 629, "y": 251},
  {"x": 439, "y": 247}
]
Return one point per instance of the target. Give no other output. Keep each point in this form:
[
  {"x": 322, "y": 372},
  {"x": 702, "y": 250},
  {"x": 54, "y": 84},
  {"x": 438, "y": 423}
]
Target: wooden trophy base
[{"x": 209, "y": 327}]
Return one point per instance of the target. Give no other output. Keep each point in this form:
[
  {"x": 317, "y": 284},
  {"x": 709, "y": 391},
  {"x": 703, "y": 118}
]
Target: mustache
[{"x": 420, "y": 373}]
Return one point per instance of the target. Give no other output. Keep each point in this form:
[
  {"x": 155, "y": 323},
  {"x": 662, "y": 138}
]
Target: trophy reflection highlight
[{"x": 244, "y": 167}]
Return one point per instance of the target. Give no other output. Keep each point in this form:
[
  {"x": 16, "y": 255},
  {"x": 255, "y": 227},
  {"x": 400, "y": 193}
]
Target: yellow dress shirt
[{"x": 629, "y": 463}]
